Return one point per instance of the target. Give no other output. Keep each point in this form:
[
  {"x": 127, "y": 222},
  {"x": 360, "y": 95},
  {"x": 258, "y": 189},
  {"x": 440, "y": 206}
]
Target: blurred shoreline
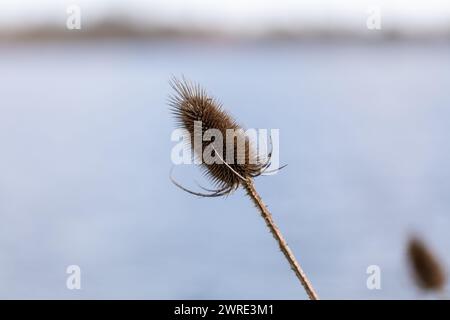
[{"x": 114, "y": 30}]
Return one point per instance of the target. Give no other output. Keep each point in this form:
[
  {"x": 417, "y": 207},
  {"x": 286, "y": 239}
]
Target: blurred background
[{"x": 358, "y": 89}]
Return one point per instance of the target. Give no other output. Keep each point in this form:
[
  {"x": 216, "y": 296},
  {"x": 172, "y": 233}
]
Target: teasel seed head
[
  {"x": 189, "y": 104},
  {"x": 427, "y": 270}
]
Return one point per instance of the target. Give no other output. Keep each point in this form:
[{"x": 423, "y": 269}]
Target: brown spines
[
  {"x": 428, "y": 272},
  {"x": 189, "y": 104}
]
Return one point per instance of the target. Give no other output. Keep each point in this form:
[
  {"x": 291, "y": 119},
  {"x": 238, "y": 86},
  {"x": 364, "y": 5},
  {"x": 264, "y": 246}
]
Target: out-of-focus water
[{"x": 85, "y": 159}]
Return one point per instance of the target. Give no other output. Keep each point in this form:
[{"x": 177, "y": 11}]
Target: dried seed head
[
  {"x": 190, "y": 104},
  {"x": 428, "y": 272}
]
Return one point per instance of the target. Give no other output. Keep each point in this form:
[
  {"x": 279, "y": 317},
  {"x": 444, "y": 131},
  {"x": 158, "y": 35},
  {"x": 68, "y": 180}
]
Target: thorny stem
[{"x": 251, "y": 191}]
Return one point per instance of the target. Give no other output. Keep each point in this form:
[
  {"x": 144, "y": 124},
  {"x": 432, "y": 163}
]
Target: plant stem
[{"x": 251, "y": 191}]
